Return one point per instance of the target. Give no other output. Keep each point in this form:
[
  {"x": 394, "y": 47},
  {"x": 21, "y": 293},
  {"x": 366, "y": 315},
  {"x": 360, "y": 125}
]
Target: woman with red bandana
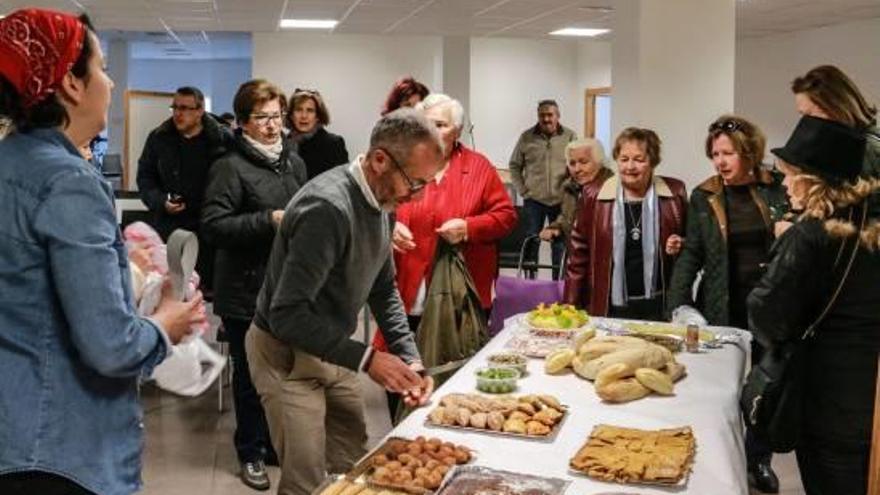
[{"x": 72, "y": 348}]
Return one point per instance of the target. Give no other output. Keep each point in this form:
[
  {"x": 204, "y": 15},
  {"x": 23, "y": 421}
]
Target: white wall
[
  {"x": 507, "y": 78},
  {"x": 353, "y": 73},
  {"x": 766, "y": 66},
  {"x": 218, "y": 79},
  {"x": 510, "y": 76},
  {"x": 674, "y": 66}
]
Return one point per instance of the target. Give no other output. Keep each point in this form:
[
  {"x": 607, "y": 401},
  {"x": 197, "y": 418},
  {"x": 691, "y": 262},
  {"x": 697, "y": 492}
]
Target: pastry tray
[
  {"x": 688, "y": 468},
  {"x": 362, "y": 468},
  {"x": 528, "y": 484},
  {"x": 554, "y": 432},
  {"x": 337, "y": 477}
]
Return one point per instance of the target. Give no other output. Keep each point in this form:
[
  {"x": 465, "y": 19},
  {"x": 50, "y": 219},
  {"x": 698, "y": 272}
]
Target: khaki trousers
[{"x": 315, "y": 412}]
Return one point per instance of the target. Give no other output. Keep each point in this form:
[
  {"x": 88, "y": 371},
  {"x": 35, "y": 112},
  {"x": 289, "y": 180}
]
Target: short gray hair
[
  {"x": 456, "y": 111},
  {"x": 400, "y": 131},
  {"x": 594, "y": 144}
]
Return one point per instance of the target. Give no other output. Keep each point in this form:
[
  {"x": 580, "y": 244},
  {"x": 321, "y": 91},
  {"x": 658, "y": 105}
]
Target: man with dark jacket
[{"x": 173, "y": 169}]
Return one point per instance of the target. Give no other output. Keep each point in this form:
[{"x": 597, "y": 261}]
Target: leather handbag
[{"x": 772, "y": 397}]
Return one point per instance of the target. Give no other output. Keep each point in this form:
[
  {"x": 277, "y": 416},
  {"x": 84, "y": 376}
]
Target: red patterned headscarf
[{"x": 37, "y": 48}]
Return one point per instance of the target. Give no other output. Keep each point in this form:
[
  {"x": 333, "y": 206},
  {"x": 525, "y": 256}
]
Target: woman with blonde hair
[
  {"x": 829, "y": 258},
  {"x": 828, "y": 93}
]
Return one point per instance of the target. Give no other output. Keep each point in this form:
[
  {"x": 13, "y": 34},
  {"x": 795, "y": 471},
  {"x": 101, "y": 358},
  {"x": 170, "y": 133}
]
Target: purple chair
[{"x": 515, "y": 295}]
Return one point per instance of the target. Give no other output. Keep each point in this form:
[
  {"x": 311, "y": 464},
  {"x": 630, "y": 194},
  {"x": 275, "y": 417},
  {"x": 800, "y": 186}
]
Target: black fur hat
[{"x": 828, "y": 149}]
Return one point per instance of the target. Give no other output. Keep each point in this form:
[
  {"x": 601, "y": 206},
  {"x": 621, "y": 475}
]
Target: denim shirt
[{"x": 71, "y": 345}]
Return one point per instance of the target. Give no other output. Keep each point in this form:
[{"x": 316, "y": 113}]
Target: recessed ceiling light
[
  {"x": 308, "y": 23},
  {"x": 579, "y": 32}
]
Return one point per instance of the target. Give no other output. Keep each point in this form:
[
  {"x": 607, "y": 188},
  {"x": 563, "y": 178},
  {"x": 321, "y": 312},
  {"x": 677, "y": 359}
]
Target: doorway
[{"x": 597, "y": 115}]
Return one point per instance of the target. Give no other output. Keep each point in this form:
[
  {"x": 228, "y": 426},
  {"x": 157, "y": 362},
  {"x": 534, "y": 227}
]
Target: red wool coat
[{"x": 471, "y": 190}]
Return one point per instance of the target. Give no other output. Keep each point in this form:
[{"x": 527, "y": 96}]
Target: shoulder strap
[{"x": 811, "y": 330}]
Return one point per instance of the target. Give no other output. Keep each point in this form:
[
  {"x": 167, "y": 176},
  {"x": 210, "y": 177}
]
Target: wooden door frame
[
  {"x": 128, "y": 94},
  {"x": 590, "y": 109}
]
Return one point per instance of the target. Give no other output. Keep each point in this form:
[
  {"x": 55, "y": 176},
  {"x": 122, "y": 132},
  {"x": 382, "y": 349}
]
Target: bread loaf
[
  {"x": 612, "y": 373},
  {"x": 675, "y": 370},
  {"x": 600, "y": 346},
  {"x": 623, "y": 390},
  {"x": 558, "y": 360},
  {"x": 655, "y": 380},
  {"x": 648, "y": 356}
]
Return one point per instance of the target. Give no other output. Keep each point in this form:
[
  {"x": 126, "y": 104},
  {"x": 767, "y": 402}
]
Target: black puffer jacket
[
  {"x": 244, "y": 187},
  {"x": 842, "y": 357},
  {"x": 322, "y": 151}
]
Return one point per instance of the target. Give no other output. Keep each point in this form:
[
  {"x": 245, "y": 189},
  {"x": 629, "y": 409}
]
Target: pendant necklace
[{"x": 635, "y": 233}]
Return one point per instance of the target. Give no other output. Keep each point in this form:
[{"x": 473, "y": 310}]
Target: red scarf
[{"x": 37, "y": 49}]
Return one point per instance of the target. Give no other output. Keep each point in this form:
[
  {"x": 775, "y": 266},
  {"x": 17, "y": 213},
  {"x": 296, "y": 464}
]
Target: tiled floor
[{"x": 189, "y": 445}]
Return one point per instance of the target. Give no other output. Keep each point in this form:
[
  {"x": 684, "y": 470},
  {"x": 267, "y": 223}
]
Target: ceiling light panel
[
  {"x": 308, "y": 23},
  {"x": 583, "y": 32}
]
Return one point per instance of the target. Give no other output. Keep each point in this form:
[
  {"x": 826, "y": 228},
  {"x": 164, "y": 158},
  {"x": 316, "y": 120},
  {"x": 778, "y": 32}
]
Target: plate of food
[
  {"x": 556, "y": 320},
  {"x": 627, "y": 455},
  {"x": 479, "y": 480},
  {"x": 535, "y": 417},
  {"x": 412, "y": 466},
  {"x": 534, "y": 346},
  {"x": 338, "y": 484},
  {"x": 649, "y": 328},
  {"x": 511, "y": 360}
]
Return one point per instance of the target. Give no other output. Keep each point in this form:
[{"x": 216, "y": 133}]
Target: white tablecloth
[{"x": 705, "y": 400}]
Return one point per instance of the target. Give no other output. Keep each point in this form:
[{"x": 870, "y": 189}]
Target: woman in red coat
[{"x": 467, "y": 204}]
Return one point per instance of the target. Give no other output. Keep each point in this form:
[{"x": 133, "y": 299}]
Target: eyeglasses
[
  {"x": 182, "y": 108},
  {"x": 726, "y": 126},
  {"x": 265, "y": 118},
  {"x": 415, "y": 185}
]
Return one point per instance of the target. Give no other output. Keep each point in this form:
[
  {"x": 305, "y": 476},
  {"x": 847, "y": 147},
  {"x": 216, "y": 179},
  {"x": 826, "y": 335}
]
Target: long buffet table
[{"x": 705, "y": 400}]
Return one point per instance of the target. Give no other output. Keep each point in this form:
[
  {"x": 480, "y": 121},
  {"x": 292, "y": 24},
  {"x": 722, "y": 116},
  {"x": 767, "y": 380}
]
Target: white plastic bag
[
  {"x": 182, "y": 372},
  {"x": 192, "y": 365}
]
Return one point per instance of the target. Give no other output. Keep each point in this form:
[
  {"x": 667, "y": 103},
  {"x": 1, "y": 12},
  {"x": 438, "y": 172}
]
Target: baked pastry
[{"x": 627, "y": 455}]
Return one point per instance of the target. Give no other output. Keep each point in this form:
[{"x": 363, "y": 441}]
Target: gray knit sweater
[{"x": 331, "y": 256}]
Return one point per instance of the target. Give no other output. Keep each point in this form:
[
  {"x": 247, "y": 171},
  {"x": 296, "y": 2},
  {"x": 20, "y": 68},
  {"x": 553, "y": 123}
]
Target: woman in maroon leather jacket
[{"x": 635, "y": 220}]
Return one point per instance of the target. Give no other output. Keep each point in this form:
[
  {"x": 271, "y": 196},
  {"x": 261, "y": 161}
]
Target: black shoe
[
  {"x": 762, "y": 478},
  {"x": 272, "y": 459},
  {"x": 254, "y": 475}
]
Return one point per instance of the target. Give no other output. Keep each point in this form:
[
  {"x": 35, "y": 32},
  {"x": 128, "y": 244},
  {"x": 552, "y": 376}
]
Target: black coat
[
  {"x": 842, "y": 357},
  {"x": 243, "y": 189},
  {"x": 160, "y": 173},
  {"x": 323, "y": 151}
]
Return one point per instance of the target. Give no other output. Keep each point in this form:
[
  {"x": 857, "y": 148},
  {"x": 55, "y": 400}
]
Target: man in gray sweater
[{"x": 332, "y": 255}]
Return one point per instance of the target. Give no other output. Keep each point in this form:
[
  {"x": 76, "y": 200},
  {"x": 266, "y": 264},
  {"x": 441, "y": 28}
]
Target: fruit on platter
[{"x": 557, "y": 317}]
